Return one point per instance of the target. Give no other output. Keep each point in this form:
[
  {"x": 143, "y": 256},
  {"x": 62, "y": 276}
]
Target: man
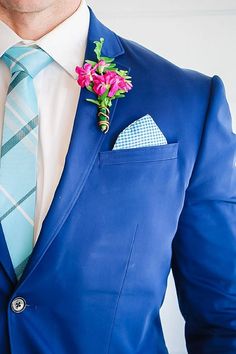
[{"x": 109, "y": 222}]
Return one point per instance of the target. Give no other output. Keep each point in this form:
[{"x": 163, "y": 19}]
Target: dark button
[{"x": 18, "y": 304}]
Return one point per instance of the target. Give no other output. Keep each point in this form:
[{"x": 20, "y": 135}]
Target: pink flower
[
  {"x": 100, "y": 66},
  {"x": 100, "y": 84},
  {"x": 117, "y": 83},
  {"x": 85, "y": 74},
  {"x": 125, "y": 85},
  {"x": 112, "y": 81}
]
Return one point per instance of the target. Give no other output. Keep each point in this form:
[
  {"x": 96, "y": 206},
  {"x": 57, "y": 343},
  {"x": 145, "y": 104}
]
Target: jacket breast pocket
[{"x": 141, "y": 154}]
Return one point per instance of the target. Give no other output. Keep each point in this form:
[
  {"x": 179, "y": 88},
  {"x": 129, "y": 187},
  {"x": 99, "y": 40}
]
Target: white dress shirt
[{"x": 57, "y": 93}]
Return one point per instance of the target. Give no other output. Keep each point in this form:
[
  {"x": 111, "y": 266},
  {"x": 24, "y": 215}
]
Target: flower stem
[{"x": 103, "y": 118}]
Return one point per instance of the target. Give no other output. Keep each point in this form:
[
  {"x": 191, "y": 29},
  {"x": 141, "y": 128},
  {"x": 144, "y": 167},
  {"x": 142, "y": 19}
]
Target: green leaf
[
  {"x": 89, "y": 88},
  {"x": 93, "y": 101},
  {"x": 123, "y": 74},
  {"x": 111, "y": 67},
  {"x": 98, "y": 47},
  {"x": 107, "y": 59},
  {"x": 102, "y": 97},
  {"x": 91, "y": 62},
  {"x": 108, "y": 102},
  {"x": 105, "y": 102},
  {"x": 119, "y": 92}
]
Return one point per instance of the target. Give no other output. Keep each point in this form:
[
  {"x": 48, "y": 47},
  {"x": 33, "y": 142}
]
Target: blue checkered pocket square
[{"x": 142, "y": 132}]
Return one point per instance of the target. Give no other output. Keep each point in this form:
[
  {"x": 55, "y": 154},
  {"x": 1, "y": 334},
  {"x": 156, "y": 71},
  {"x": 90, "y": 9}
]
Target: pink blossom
[
  {"x": 100, "y": 66},
  {"x": 85, "y": 74},
  {"x": 100, "y": 84},
  {"x": 110, "y": 80},
  {"x": 125, "y": 85},
  {"x": 117, "y": 83}
]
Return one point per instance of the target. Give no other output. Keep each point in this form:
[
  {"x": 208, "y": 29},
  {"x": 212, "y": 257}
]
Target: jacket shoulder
[{"x": 156, "y": 67}]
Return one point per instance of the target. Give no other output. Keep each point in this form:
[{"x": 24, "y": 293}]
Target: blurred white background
[{"x": 193, "y": 34}]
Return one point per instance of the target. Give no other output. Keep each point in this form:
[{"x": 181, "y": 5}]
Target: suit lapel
[
  {"x": 5, "y": 259},
  {"x": 86, "y": 140}
]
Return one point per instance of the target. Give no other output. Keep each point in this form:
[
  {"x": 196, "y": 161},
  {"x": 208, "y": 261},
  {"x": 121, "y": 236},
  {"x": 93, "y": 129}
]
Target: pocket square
[{"x": 142, "y": 132}]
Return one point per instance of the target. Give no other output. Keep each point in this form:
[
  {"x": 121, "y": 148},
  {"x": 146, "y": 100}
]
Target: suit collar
[
  {"x": 85, "y": 143},
  {"x": 112, "y": 46},
  {"x": 68, "y": 53}
]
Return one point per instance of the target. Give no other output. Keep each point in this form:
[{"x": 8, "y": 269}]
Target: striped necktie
[{"x": 18, "y": 169}]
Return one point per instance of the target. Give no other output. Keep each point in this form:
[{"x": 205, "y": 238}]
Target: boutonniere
[{"x": 103, "y": 78}]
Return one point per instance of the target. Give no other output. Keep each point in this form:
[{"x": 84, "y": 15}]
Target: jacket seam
[
  {"x": 121, "y": 289},
  {"x": 208, "y": 107}
]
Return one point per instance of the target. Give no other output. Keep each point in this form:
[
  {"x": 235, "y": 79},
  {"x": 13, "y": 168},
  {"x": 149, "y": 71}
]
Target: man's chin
[{"x": 26, "y": 6}]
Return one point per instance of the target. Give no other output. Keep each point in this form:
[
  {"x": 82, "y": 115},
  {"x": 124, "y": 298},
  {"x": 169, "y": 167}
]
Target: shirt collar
[{"x": 66, "y": 43}]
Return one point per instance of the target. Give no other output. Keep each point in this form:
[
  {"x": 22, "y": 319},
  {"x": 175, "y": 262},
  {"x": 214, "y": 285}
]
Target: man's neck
[{"x": 35, "y": 24}]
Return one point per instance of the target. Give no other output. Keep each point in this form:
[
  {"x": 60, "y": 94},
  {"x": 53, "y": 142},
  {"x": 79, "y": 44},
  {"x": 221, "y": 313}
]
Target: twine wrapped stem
[{"x": 103, "y": 118}]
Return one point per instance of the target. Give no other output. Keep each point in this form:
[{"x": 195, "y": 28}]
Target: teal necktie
[{"x": 18, "y": 169}]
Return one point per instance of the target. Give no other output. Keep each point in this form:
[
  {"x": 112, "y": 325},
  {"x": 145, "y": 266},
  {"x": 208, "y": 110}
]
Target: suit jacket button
[{"x": 18, "y": 304}]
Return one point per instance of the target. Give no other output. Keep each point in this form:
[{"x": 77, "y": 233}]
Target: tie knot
[{"x": 30, "y": 59}]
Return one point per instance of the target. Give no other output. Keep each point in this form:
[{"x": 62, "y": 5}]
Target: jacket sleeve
[{"x": 204, "y": 247}]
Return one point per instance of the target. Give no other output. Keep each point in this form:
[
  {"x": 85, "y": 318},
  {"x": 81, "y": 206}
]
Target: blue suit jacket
[{"x": 97, "y": 276}]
